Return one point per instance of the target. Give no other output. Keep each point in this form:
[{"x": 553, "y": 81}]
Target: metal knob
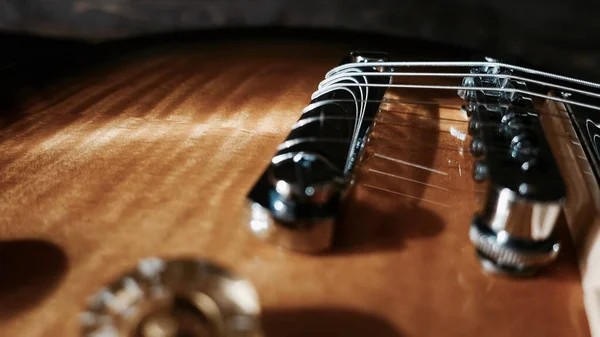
[
  {"x": 474, "y": 126},
  {"x": 178, "y": 298},
  {"x": 477, "y": 147},
  {"x": 480, "y": 171},
  {"x": 305, "y": 178},
  {"x": 513, "y": 124},
  {"x": 514, "y": 234},
  {"x": 523, "y": 146},
  {"x": 305, "y": 192}
]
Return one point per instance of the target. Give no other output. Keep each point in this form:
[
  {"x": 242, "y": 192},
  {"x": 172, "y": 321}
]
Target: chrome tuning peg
[
  {"x": 162, "y": 298},
  {"x": 514, "y": 233}
]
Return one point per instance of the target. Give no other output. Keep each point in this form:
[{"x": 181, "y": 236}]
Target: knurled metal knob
[
  {"x": 523, "y": 146},
  {"x": 499, "y": 252},
  {"x": 514, "y": 123},
  {"x": 176, "y": 298},
  {"x": 305, "y": 178},
  {"x": 480, "y": 171},
  {"x": 477, "y": 147}
]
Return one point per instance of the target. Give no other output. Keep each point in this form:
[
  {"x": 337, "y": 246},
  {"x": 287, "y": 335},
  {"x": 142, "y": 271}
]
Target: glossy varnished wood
[
  {"x": 583, "y": 203},
  {"x": 153, "y": 156}
]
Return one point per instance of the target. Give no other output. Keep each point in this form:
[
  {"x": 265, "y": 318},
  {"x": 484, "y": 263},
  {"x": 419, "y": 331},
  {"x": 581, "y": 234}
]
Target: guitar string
[
  {"x": 442, "y": 188},
  {"x": 446, "y": 185},
  {"x": 318, "y": 93},
  {"x": 329, "y": 80},
  {"x": 335, "y": 77},
  {"x": 334, "y": 73},
  {"x": 470, "y": 64},
  {"x": 339, "y": 77},
  {"x": 381, "y": 118},
  {"x": 293, "y": 142},
  {"x": 340, "y": 82},
  {"x": 446, "y": 106},
  {"x": 333, "y": 85},
  {"x": 449, "y": 189},
  {"x": 304, "y": 121},
  {"x": 523, "y": 110},
  {"x": 359, "y": 113}
]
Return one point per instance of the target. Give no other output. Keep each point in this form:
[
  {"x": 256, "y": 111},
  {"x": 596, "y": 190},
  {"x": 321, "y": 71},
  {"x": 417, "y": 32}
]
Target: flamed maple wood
[{"x": 153, "y": 155}]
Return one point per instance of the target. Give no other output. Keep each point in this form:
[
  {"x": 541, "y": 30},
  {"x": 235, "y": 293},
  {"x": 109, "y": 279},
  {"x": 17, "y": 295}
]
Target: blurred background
[{"x": 558, "y": 35}]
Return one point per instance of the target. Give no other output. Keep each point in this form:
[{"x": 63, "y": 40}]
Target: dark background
[{"x": 558, "y": 35}]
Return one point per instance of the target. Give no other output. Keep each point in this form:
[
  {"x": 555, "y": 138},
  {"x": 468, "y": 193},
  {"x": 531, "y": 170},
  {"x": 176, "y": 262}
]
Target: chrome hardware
[
  {"x": 514, "y": 232},
  {"x": 295, "y": 202},
  {"x": 498, "y": 252},
  {"x": 362, "y": 56},
  {"x": 366, "y": 57},
  {"x": 163, "y": 298},
  {"x": 480, "y": 171},
  {"x": 477, "y": 148},
  {"x": 305, "y": 178}
]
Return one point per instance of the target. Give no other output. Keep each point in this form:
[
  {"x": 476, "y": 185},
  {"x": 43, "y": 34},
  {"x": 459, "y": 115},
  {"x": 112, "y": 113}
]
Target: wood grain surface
[
  {"x": 153, "y": 156},
  {"x": 582, "y": 207}
]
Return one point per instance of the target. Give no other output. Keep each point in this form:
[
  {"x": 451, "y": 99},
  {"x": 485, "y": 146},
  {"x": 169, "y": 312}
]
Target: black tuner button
[
  {"x": 523, "y": 147},
  {"x": 474, "y": 126},
  {"x": 477, "y": 147},
  {"x": 513, "y": 120},
  {"x": 513, "y": 124},
  {"x": 530, "y": 165},
  {"x": 480, "y": 171}
]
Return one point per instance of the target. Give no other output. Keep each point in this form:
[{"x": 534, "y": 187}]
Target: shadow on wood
[
  {"x": 325, "y": 322},
  {"x": 29, "y": 272}
]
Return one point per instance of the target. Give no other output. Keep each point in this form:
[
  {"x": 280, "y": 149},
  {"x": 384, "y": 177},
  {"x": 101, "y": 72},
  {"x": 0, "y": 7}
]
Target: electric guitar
[{"x": 260, "y": 186}]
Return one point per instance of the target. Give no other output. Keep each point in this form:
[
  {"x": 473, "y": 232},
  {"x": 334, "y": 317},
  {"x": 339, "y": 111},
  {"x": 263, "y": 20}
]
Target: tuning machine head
[{"x": 162, "y": 298}]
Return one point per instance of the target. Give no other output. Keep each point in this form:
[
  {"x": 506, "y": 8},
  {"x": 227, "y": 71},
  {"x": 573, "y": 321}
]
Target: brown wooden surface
[
  {"x": 153, "y": 156},
  {"x": 583, "y": 204}
]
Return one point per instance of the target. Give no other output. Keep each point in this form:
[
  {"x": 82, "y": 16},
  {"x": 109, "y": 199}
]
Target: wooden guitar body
[{"x": 153, "y": 154}]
